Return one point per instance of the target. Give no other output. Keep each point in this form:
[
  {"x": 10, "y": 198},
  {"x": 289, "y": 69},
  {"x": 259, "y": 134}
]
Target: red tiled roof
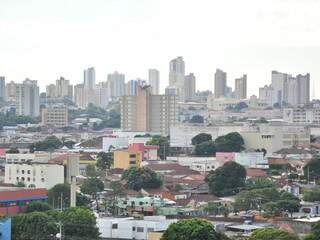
[
  {"x": 21, "y": 193},
  {"x": 255, "y": 172},
  {"x": 173, "y": 168}
]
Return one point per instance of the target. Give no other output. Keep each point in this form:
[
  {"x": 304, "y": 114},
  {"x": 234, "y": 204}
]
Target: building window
[
  {"x": 22, "y": 179},
  {"x": 22, "y": 171},
  {"x": 42, "y": 179},
  {"x": 28, "y": 179},
  {"x": 140, "y": 229},
  {"x": 133, "y": 229},
  {"x": 115, "y": 226},
  {"x": 29, "y": 171},
  {"x": 150, "y": 229}
]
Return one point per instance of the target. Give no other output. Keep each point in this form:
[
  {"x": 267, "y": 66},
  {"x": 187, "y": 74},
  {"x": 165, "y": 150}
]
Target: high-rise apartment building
[
  {"x": 89, "y": 78},
  {"x": 241, "y": 87},
  {"x": 131, "y": 87},
  {"x": 11, "y": 91},
  {"x": 63, "y": 88},
  {"x": 27, "y": 98},
  {"x": 51, "y": 91},
  {"x": 2, "y": 88},
  {"x": 78, "y": 96},
  {"x": 148, "y": 113},
  {"x": 304, "y": 88},
  {"x": 220, "y": 83},
  {"x": 54, "y": 116},
  {"x": 176, "y": 76},
  {"x": 289, "y": 90},
  {"x": 116, "y": 84},
  {"x": 154, "y": 81},
  {"x": 278, "y": 82},
  {"x": 190, "y": 87},
  {"x": 266, "y": 93}
]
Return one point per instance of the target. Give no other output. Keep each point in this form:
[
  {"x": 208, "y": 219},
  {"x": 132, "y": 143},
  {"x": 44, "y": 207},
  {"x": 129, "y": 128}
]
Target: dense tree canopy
[
  {"x": 270, "y": 200},
  {"x": 49, "y": 144},
  {"x": 33, "y": 226},
  {"x": 226, "y": 180},
  {"x": 207, "y": 148},
  {"x": 259, "y": 182},
  {"x": 63, "y": 190},
  {"x": 312, "y": 195},
  {"x": 163, "y": 143},
  {"x": 312, "y": 169},
  {"x": 79, "y": 223},
  {"x": 201, "y": 138},
  {"x": 38, "y": 207},
  {"x": 232, "y": 142},
  {"x": 144, "y": 177},
  {"x": 104, "y": 160},
  {"x": 272, "y": 233},
  {"x": 196, "y": 119},
  {"x": 192, "y": 229},
  {"x": 315, "y": 232}
]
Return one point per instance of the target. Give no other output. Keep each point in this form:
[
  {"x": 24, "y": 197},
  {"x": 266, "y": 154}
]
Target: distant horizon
[{"x": 43, "y": 40}]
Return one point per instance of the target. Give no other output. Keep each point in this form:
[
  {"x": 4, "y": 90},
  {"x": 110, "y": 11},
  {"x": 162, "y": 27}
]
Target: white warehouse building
[{"x": 130, "y": 228}]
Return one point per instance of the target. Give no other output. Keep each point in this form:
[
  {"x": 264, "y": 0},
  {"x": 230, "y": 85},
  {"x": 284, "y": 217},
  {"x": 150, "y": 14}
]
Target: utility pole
[{"x": 61, "y": 202}]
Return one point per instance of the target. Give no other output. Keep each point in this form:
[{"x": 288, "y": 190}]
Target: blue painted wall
[{"x": 5, "y": 229}]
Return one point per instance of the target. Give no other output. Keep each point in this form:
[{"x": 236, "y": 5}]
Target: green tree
[
  {"x": 312, "y": 195},
  {"x": 216, "y": 208},
  {"x": 192, "y": 229},
  {"x": 226, "y": 180},
  {"x": 259, "y": 182},
  {"x": 38, "y": 207},
  {"x": 49, "y": 144},
  {"x": 272, "y": 233},
  {"x": 104, "y": 160},
  {"x": 312, "y": 169},
  {"x": 13, "y": 150},
  {"x": 315, "y": 232},
  {"x": 79, "y": 223},
  {"x": 92, "y": 186},
  {"x": 144, "y": 177},
  {"x": 163, "y": 143},
  {"x": 63, "y": 190},
  {"x": 196, "y": 119},
  {"x": 177, "y": 188},
  {"x": 91, "y": 171},
  {"x": 20, "y": 184},
  {"x": 201, "y": 138},
  {"x": 289, "y": 206},
  {"x": 232, "y": 142},
  {"x": 33, "y": 226},
  {"x": 207, "y": 148},
  {"x": 117, "y": 190},
  {"x": 254, "y": 199}
]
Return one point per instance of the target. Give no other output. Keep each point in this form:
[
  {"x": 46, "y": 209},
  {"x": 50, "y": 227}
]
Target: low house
[{"x": 255, "y": 172}]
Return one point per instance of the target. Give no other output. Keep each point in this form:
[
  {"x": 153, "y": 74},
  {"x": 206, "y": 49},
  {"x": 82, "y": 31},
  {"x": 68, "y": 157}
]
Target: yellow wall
[
  {"x": 154, "y": 235},
  {"x": 121, "y": 159}
]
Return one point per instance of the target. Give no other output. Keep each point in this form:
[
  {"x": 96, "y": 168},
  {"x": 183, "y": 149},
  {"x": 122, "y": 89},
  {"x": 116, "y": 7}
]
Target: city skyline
[{"x": 134, "y": 36}]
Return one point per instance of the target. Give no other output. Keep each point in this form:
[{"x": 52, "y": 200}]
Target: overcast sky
[{"x": 46, "y": 39}]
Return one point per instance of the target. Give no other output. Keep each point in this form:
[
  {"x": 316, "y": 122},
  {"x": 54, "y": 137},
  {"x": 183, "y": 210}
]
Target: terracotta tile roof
[
  {"x": 171, "y": 169},
  {"x": 255, "y": 172},
  {"x": 19, "y": 193}
]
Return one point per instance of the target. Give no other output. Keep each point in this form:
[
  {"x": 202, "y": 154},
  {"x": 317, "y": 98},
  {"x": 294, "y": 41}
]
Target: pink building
[
  {"x": 149, "y": 152},
  {"x": 224, "y": 157}
]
